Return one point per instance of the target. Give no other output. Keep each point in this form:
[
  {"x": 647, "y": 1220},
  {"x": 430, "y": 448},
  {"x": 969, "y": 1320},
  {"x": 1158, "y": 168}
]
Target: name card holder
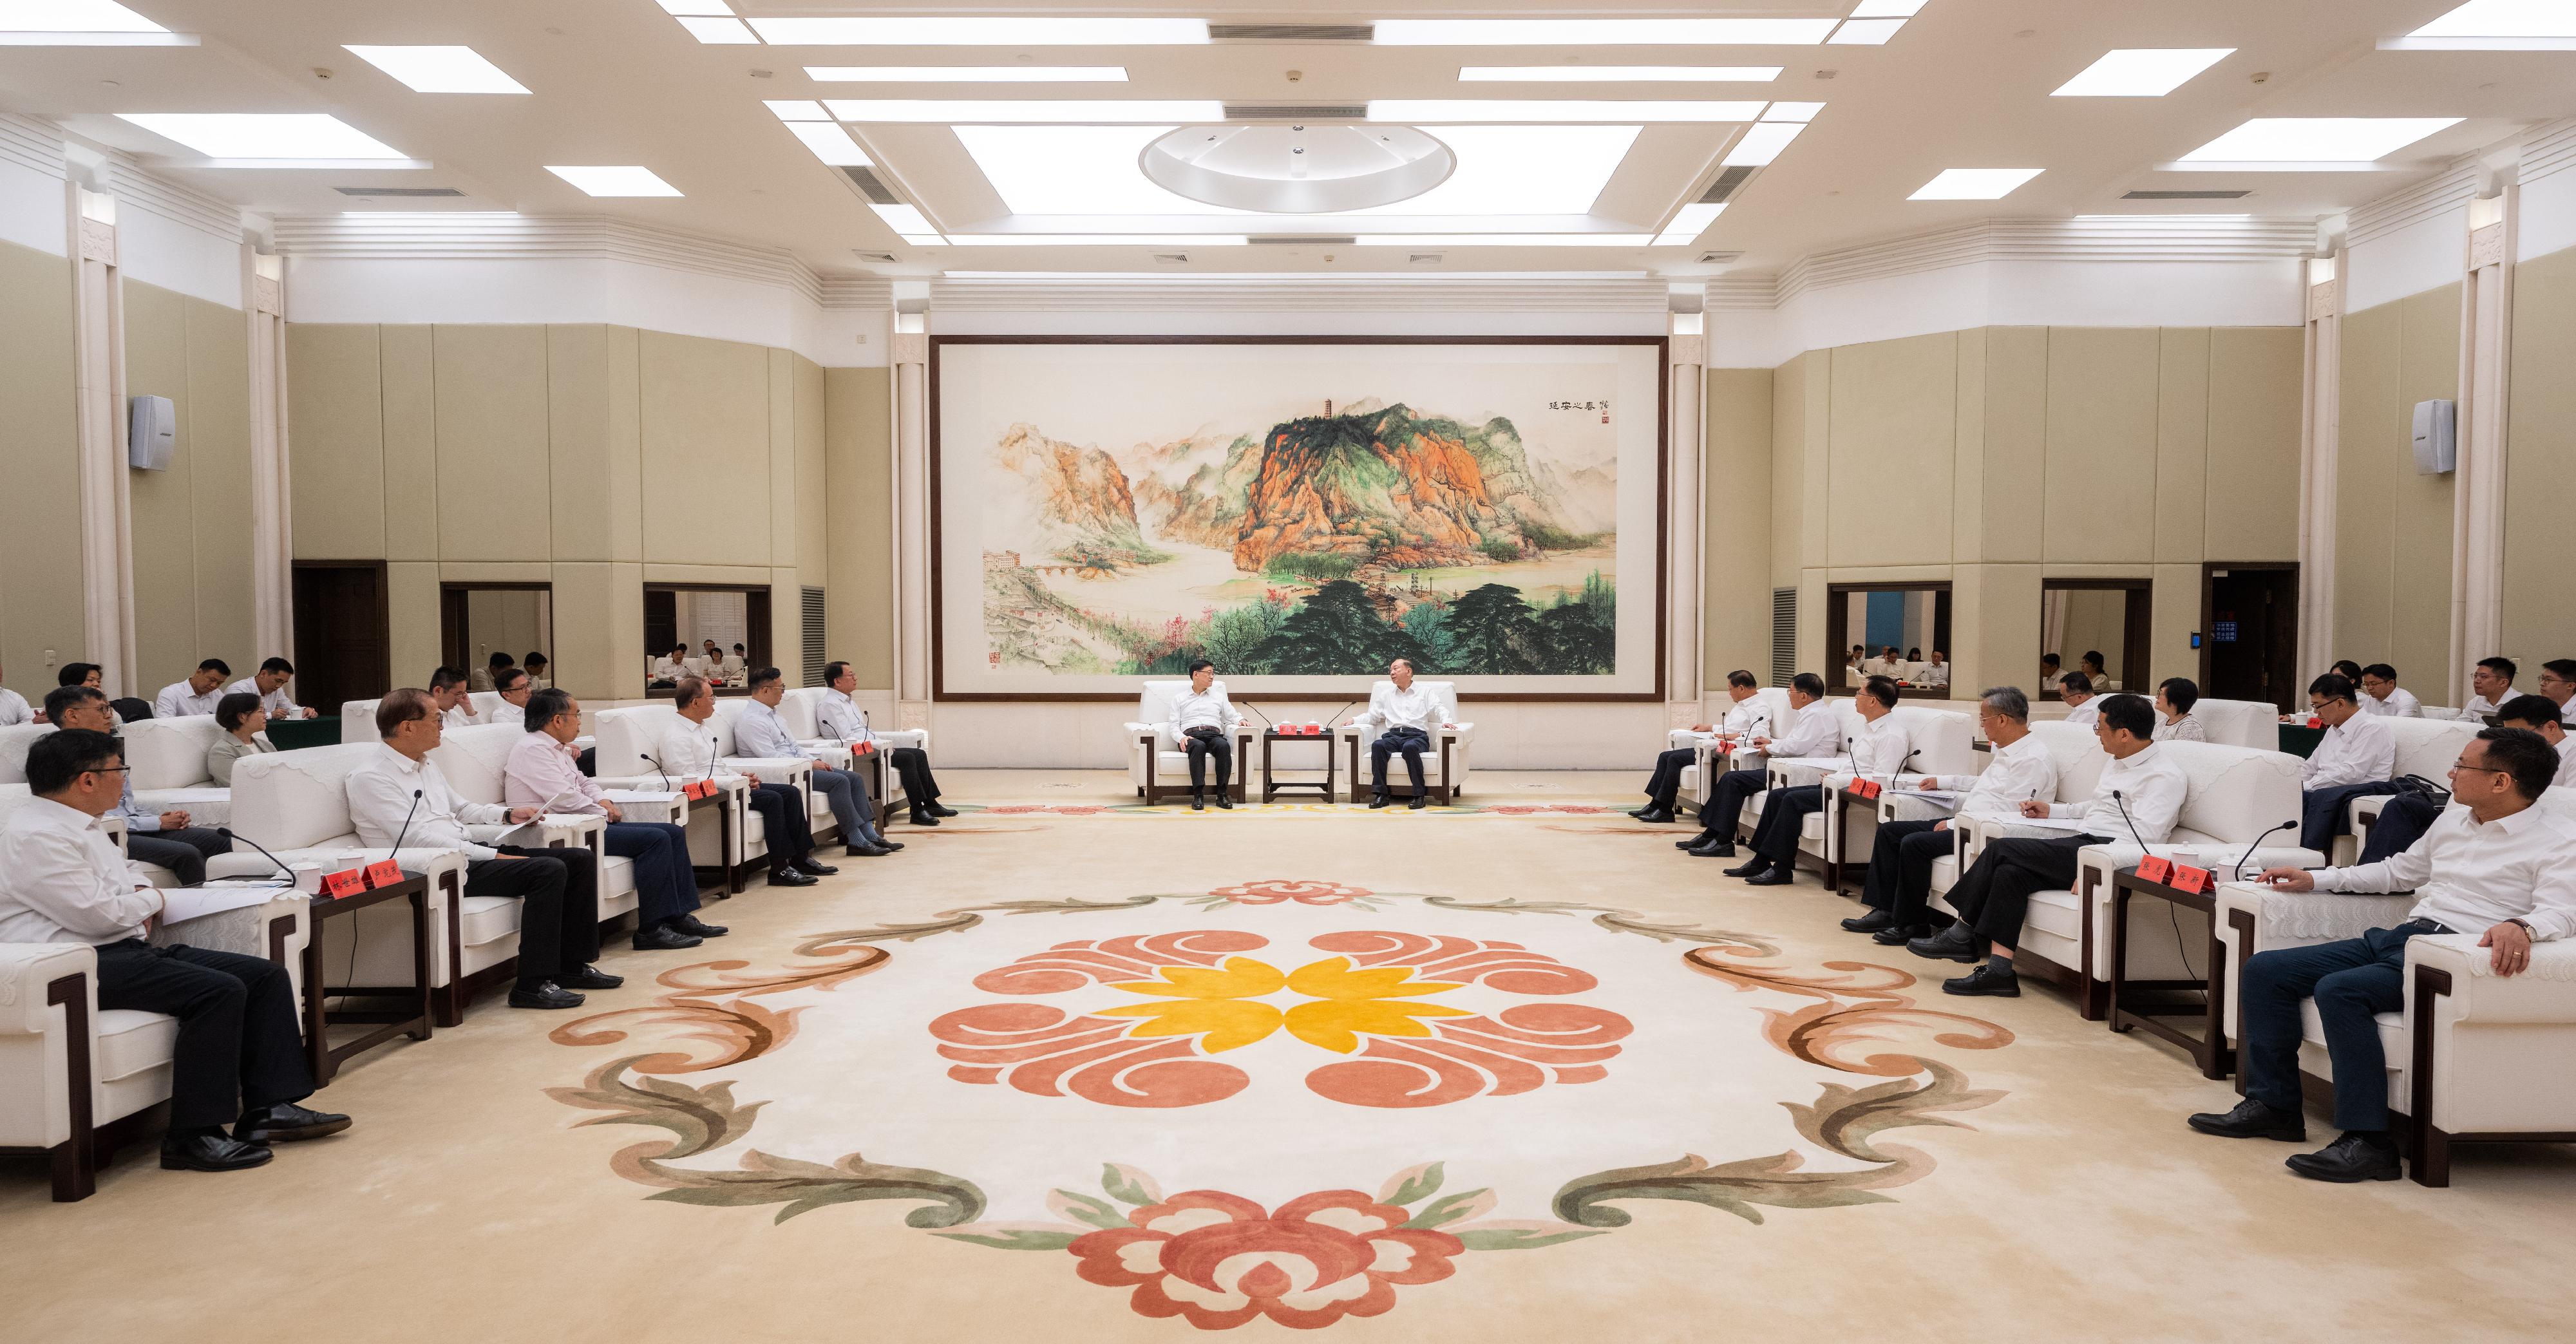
[
  {"x": 1868, "y": 788},
  {"x": 383, "y": 873},
  {"x": 346, "y": 882},
  {"x": 2188, "y": 878},
  {"x": 704, "y": 788},
  {"x": 2155, "y": 869}
]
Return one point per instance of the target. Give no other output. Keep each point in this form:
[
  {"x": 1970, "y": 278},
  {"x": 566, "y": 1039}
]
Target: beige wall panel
[
  {"x": 706, "y": 451},
  {"x": 163, "y": 502},
  {"x": 411, "y": 619},
  {"x": 753, "y": 576},
  {"x": 1894, "y": 408},
  {"x": 787, "y": 626},
  {"x": 1968, "y": 450},
  {"x": 588, "y": 661},
  {"x": 782, "y": 458},
  {"x": 2173, "y": 613},
  {"x": 494, "y": 487},
  {"x": 1736, "y": 553},
  {"x": 2001, "y": 646},
  {"x": 2365, "y": 479},
  {"x": 2419, "y": 536},
  {"x": 335, "y": 418},
  {"x": 39, "y": 514},
  {"x": 2540, "y": 491},
  {"x": 1815, "y": 479},
  {"x": 2016, "y": 457},
  {"x": 1788, "y": 469},
  {"x": 2254, "y": 389},
  {"x": 577, "y": 438},
  {"x": 625, "y": 445},
  {"x": 1812, "y": 654},
  {"x": 495, "y": 571},
  {"x": 411, "y": 442},
  {"x": 858, "y": 446},
  {"x": 625, "y": 653},
  {"x": 219, "y": 417},
  {"x": 2182, "y": 441},
  {"x": 2101, "y": 474},
  {"x": 813, "y": 504}
]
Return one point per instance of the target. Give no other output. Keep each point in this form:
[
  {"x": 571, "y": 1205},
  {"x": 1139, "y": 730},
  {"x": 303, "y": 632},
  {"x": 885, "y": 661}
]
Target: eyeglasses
[
  {"x": 2458, "y": 766},
  {"x": 107, "y": 770}
]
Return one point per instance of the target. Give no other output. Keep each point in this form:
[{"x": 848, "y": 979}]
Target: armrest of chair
[
  {"x": 2299, "y": 918},
  {"x": 2219, "y": 859},
  {"x": 249, "y": 930},
  {"x": 1142, "y": 732},
  {"x": 1911, "y": 805},
  {"x": 905, "y": 737},
  {"x": 25, "y": 970},
  {"x": 207, "y": 804},
  {"x": 773, "y": 769},
  {"x": 115, "y": 828},
  {"x": 668, "y": 806},
  {"x": 2543, "y": 994},
  {"x": 1975, "y": 832},
  {"x": 1683, "y": 738},
  {"x": 1459, "y": 732}
]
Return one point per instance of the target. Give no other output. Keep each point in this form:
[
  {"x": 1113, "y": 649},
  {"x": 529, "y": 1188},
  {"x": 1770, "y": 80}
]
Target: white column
[
  {"x": 98, "y": 385},
  {"x": 1686, "y": 433},
  {"x": 912, "y": 525},
  {"x": 272, "y": 556},
  {"x": 2477, "y": 483},
  {"x": 2319, "y": 442}
]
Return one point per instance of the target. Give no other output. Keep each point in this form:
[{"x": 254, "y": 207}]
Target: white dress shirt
[
  {"x": 2085, "y": 714},
  {"x": 2472, "y": 876},
  {"x": 14, "y": 709},
  {"x": 1933, "y": 674},
  {"x": 2479, "y": 707},
  {"x": 546, "y": 774},
  {"x": 2150, "y": 784},
  {"x": 2014, "y": 774},
  {"x": 1880, "y": 749},
  {"x": 2359, "y": 750},
  {"x": 2566, "y": 762},
  {"x": 1203, "y": 709},
  {"x": 461, "y": 716},
  {"x": 666, "y": 670},
  {"x": 275, "y": 702},
  {"x": 1882, "y": 667},
  {"x": 762, "y": 734},
  {"x": 1817, "y": 731},
  {"x": 63, "y": 881},
  {"x": 687, "y": 752},
  {"x": 1413, "y": 707},
  {"x": 841, "y": 719},
  {"x": 2400, "y": 704},
  {"x": 380, "y": 796},
  {"x": 1741, "y": 721},
  {"x": 179, "y": 700},
  {"x": 2184, "y": 729}
]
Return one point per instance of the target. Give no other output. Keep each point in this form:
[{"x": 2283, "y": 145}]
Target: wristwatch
[{"x": 2523, "y": 924}]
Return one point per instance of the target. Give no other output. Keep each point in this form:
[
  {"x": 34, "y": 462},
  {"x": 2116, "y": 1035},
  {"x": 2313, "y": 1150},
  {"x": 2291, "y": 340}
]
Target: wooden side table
[
  {"x": 2171, "y": 998},
  {"x": 325, "y": 1057},
  {"x": 1272, "y": 786}
]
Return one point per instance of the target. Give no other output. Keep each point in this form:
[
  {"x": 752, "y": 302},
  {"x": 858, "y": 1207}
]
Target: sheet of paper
[
  {"x": 185, "y": 903},
  {"x": 624, "y": 796}
]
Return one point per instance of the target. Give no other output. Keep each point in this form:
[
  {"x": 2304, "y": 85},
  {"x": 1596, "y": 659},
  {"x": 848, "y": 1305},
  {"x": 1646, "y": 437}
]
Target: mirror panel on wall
[
  {"x": 2082, "y": 619},
  {"x": 734, "y": 619},
  {"x": 1911, "y": 618},
  {"x": 481, "y": 621}
]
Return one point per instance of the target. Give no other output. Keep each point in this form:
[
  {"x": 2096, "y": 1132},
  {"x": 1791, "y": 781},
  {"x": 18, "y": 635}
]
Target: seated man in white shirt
[
  {"x": 2495, "y": 866},
  {"x": 2076, "y": 690},
  {"x": 449, "y": 698},
  {"x": 1663, "y": 787},
  {"x": 1402, "y": 714},
  {"x": 1934, "y": 674},
  {"x": 89, "y": 675},
  {"x": 536, "y": 664},
  {"x": 1879, "y": 751},
  {"x": 1899, "y": 886},
  {"x": 2140, "y": 796},
  {"x": 2558, "y": 682},
  {"x": 2404, "y": 819},
  {"x": 487, "y": 677},
  {"x": 197, "y": 695},
  {"x": 1203, "y": 722},
  {"x": 541, "y": 773},
  {"x": 239, "y": 1058},
  {"x": 514, "y": 686},
  {"x": 761, "y": 733},
  {"x": 162, "y": 838},
  {"x": 842, "y": 720},
  {"x": 2490, "y": 685},
  {"x": 2357, "y": 756},
  {"x": 2174, "y": 720},
  {"x": 1886, "y": 664},
  {"x": 269, "y": 684},
  {"x": 2382, "y": 696},
  {"x": 399, "y": 798},
  {"x": 2539, "y": 714},
  {"x": 14, "y": 709},
  {"x": 686, "y": 753},
  {"x": 669, "y": 668},
  {"x": 1808, "y": 734}
]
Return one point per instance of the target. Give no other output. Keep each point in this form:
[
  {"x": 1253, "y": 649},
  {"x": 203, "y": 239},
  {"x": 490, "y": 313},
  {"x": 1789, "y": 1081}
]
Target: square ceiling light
[
  {"x": 1690, "y": 222},
  {"x": 2497, "y": 25},
  {"x": 1027, "y": 111},
  {"x": 439, "y": 69},
  {"x": 685, "y": 8},
  {"x": 2141, "y": 72},
  {"x": 1973, "y": 184},
  {"x": 1617, "y": 74},
  {"x": 967, "y": 74},
  {"x": 1010, "y": 31},
  {"x": 615, "y": 180},
  {"x": 831, "y": 144},
  {"x": 1888, "y": 9},
  {"x": 1600, "y": 32},
  {"x": 80, "y": 23},
  {"x": 1761, "y": 143},
  {"x": 264, "y": 135},
  {"x": 1421, "y": 111},
  {"x": 1865, "y": 32},
  {"x": 2315, "y": 140}
]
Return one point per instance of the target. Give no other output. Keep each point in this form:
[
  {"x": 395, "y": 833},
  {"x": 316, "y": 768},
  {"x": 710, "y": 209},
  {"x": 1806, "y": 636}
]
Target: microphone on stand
[
  {"x": 666, "y": 774},
  {"x": 390, "y": 855},
  {"x": 2258, "y": 844},
  {"x": 2123, "y": 804},
  {"x": 289, "y": 873},
  {"x": 1265, "y": 719}
]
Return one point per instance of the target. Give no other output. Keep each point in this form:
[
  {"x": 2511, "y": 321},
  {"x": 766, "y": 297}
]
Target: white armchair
[
  {"x": 1444, "y": 766},
  {"x": 166, "y": 760},
  {"x": 1157, "y": 762},
  {"x": 2425, "y": 747},
  {"x": 801, "y": 710},
  {"x": 2240, "y": 723},
  {"x": 476, "y": 763},
  {"x": 1792, "y": 772},
  {"x": 2477, "y": 1057},
  {"x": 358, "y": 721},
  {"x": 14, "y": 742},
  {"x": 732, "y": 840},
  {"x": 1699, "y": 778}
]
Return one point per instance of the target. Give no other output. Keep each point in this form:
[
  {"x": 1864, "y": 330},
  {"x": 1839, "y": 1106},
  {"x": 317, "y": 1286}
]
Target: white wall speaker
[
  {"x": 151, "y": 434},
  {"x": 2436, "y": 437}
]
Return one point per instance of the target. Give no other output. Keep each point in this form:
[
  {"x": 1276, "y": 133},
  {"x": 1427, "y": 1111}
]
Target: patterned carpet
[{"x": 1077, "y": 1069}]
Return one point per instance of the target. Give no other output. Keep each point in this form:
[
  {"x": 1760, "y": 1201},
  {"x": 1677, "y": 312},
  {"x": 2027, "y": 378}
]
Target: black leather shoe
[
  {"x": 285, "y": 1123},
  {"x": 1898, "y": 935},
  {"x": 210, "y": 1150},
  {"x": 867, "y": 851},
  {"x": 2253, "y": 1120},
  {"x": 1655, "y": 815},
  {"x": 1715, "y": 849},
  {"x": 1759, "y": 865},
  {"x": 1379, "y": 801},
  {"x": 543, "y": 994},
  {"x": 936, "y": 810},
  {"x": 2344, "y": 1161},
  {"x": 1955, "y": 943},
  {"x": 589, "y": 977},
  {"x": 1987, "y": 980},
  {"x": 1197, "y": 803},
  {"x": 788, "y": 877},
  {"x": 663, "y": 938},
  {"x": 1777, "y": 875},
  {"x": 1225, "y": 802},
  {"x": 691, "y": 924},
  {"x": 922, "y": 817},
  {"x": 1420, "y": 801},
  {"x": 1644, "y": 812},
  {"x": 1872, "y": 922},
  {"x": 1703, "y": 838},
  {"x": 809, "y": 867}
]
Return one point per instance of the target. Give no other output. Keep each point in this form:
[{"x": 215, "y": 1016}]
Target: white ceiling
[{"x": 1965, "y": 83}]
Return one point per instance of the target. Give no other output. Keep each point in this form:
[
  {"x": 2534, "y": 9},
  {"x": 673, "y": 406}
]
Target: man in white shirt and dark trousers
[
  {"x": 1403, "y": 715},
  {"x": 2404, "y": 819},
  {"x": 841, "y": 720},
  {"x": 400, "y": 795},
  {"x": 686, "y": 753},
  {"x": 761, "y": 733},
  {"x": 269, "y": 684},
  {"x": 2140, "y": 796},
  {"x": 1881, "y": 749},
  {"x": 542, "y": 773},
  {"x": 239, "y": 1057},
  {"x": 2356, "y": 757},
  {"x": 162, "y": 838},
  {"x": 2558, "y": 682},
  {"x": 2381, "y": 695},
  {"x": 2495, "y": 866},
  {"x": 1807, "y": 734},
  {"x": 197, "y": 695},
  {"x": 1663, "y": 787},
  {"x": 1203, "y": 722},
  {"x": 1899, "y": 886}
]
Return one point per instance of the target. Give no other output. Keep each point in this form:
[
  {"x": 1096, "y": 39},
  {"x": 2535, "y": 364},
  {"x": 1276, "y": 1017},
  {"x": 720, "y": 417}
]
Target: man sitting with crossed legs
[{"x": 1899, "y": 887}]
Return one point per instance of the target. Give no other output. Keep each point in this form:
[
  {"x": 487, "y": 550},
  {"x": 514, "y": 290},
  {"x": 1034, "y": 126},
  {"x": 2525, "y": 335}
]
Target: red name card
[
  {"x": 383, "y": 873},
  {"x": 2188, "y": 878},
  {"x": 705, "y": 788},
  {"x": 2155, "y": 869},
  {"x": 347, "y": 882},
  {"x": 1868, "y": 788},
  {"x": 863, "y": 748}
]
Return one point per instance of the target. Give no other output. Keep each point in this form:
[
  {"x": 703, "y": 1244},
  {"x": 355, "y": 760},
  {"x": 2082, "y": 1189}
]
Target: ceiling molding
[
  {"x": 857, "y": 292},
  {"x": 2548, "y": 151},
  {"x": 2405, "y": 208},
  {"x": 1299, "y": 293},
  {"x": 33, "y": 145},
  {"x": 132, "y": 186},
  {"x": 2122, "y": 238},
  {"x": 465, "y": 236}
]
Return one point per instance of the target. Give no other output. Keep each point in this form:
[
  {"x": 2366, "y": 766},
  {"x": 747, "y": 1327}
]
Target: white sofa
[
  {"x": 731, "y": 840},
  {"x": 167, "y": 762},
  {"x": 1159, "y": 765},
  {"x": 1779, "y": 772},
  {"x": 2240, "y": 723},
  {"x": 801, "y": 711},
  {"x": 1444, "y": 766},
  {"x": 476, "y": 760},
  {"x": 1940, "y": 742}
]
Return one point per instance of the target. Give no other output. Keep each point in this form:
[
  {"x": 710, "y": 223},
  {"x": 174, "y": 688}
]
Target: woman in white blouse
[{"x": 2174, "y": 700}]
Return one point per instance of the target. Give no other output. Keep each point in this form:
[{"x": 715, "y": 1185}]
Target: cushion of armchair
[
  {"x": 2295, "y": 918},
  {"x": 2218, "y": 858}
]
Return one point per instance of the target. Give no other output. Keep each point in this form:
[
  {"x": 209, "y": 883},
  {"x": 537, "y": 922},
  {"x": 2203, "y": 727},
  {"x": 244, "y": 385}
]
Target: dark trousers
[
  {"x": 847, "y": 794},
  {"x": 558, "y": 894},
  {"x": 1412, "y": 742},
  {"x": 1725, "y": 805},
  {"x": 912, "y": 766},
  {"x": 1665, "y": 784},
  {"x": 665, "y": 885},
  {"x": 182, "y": 852},
  {"x": 238, "y": 1045},
  {"x": 783, "y": 817},
  {"x": 2322, "y": 811},
  {"x": 2353, "y": 981},
  {"x": 1204, "y": 747},
  {"x": 1992, "y": 896},
  {"x": 2401, "y": 823},
  {"x": 1900, "y": 868},
  {"x": 1776, "y": 838}
]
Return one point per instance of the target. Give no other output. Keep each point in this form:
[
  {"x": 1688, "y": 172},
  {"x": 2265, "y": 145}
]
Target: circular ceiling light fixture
[{"x": 1298, "y": 170}]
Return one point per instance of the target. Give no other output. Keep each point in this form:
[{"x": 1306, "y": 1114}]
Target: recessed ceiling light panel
[
  {"x": 831, "y": 144},
  {"x": 264, "y": 135},
  {"x": 1888, "y": 9},
  {"x": 2504, "y": 18},
  {"x": 1761, "y": 143},
  {"x": 615, "y": 180},
  {"x": 1012, "y": 31},
  {"x": 1298, "y": 169},
  {"x": 724, "y": 32},
  {"x": 439, "y": 69},
  {"x": 967, "y": 74},
  {"x": 1566, "y": 110},
  {"x": 1617, "y": 74},
  {"x": 72, "y": 16},
  {"x": 2317, "y": 139},
  {"x": 1689, "y": 222},
  {"x": 1973, "y": 184},
  {"x": 1865, "y": 32},
  {"x": 1027, "y": 111},
  {"x": 2141, "y": 72},
  {"x": 1602, "y": 32}
]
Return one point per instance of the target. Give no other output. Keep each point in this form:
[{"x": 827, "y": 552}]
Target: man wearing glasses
[
  {"x": 163, "y": 838},
  {"x": 2495, "y": 866},
  {"x": 2558, "y": 682}
]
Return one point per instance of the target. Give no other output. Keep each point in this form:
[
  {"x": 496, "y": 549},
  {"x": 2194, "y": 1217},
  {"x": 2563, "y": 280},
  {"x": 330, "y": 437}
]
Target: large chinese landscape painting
[{"x": 1298, "y": 514}]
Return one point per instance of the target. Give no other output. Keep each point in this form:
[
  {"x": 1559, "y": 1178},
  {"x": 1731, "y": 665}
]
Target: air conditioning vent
[
  {"x": 872, "y": 187},
  {"x": 1296, "y": 111},
  {"x": 1719, "y": 258},
  {"x": 398, "y": 191},
  {"x": 1300, "y": 239},
  {"x": 1784, "y": 635},
  {"x": 2186, "y": 195},
  {"x": 1425, "y": 258},
  {"x": 1172, "y": 258},
  {"x": 811, "y": 610},
  {"x": 1292, "y": 32},
  {"x": 880, "y": 258},
  {"x": 1726, "y": 184}
]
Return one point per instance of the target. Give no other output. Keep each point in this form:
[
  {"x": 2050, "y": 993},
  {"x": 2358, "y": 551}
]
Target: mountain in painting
[{"x": 1070, "y": 502}]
